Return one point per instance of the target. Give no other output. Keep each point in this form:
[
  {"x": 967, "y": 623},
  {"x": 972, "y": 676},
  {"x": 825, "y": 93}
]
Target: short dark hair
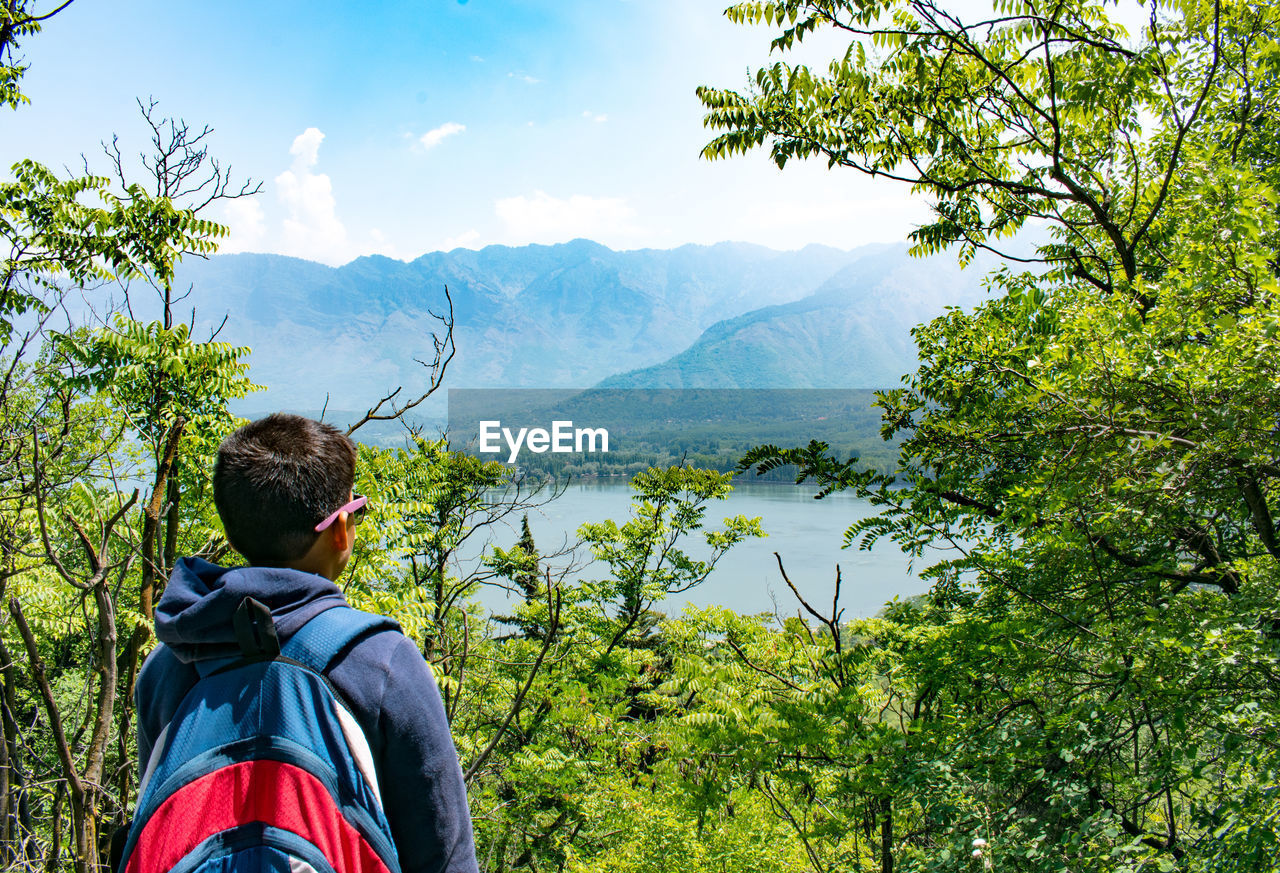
[{"x": 276, "y": 479}]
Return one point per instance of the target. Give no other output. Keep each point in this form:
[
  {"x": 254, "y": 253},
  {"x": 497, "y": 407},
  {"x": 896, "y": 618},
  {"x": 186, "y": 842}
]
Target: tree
[
  {"x": 18, "y": 19},
  {"x": 75, "y": 401},
  {"x": 645, "y": 558},
  {"x": 1097, "y": 442},
  {"x": 526, "y": 577},
  {"x": 566, "y": 733}
]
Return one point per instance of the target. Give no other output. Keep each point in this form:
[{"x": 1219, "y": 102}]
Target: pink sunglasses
[{"x": 356, "y": 507}]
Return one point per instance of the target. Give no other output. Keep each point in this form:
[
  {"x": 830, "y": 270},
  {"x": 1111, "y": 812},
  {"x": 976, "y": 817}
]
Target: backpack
[{"x": 263, "y": 767}]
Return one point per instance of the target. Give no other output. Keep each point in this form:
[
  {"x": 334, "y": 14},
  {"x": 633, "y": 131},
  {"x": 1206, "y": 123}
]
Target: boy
[{"x": 282, "y": 486}]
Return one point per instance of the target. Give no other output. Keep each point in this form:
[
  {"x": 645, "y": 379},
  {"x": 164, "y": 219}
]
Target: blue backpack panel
[{"x": 263, "y": 767}]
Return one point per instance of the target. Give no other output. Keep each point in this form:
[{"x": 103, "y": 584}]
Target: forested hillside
[
  {"x": 854, "y": 331},
  {"x": 1092, "y": 682}
]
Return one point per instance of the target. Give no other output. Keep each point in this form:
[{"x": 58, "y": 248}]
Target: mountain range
[{"x": 575, "y": 315}]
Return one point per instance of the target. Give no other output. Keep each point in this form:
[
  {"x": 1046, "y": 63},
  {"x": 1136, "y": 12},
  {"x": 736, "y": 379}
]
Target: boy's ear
[{"x": 339, "y": 535}]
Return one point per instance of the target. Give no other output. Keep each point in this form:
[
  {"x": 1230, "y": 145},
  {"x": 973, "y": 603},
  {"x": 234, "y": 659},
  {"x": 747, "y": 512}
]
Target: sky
[{"x": 406, "y": 126}]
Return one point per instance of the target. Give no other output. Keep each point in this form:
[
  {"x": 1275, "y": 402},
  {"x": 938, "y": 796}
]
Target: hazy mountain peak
[{"x": 566, "y": 315}]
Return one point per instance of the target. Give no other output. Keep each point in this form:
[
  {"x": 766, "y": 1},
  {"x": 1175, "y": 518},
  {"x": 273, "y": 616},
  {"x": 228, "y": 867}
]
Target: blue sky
[{"x": 406, "y": 127}]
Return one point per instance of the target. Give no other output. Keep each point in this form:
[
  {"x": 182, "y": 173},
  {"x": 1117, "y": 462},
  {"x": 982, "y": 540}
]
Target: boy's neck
[
  {"x": 330, "y": 552},
  {"x": 328, "y": 569}
]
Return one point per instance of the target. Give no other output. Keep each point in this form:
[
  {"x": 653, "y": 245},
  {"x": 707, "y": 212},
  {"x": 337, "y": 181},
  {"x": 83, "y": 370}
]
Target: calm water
[{"x": 807, "y": 533}]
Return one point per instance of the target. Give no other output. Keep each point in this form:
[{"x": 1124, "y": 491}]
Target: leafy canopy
[{"x": 1097, "y": 443}]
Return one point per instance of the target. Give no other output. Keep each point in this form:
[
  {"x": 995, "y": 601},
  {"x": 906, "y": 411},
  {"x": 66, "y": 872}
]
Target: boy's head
[{"x": 275, "y": 480}]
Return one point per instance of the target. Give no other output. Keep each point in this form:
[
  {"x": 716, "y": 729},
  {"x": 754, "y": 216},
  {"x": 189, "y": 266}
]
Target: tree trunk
[
  {"x": 18, "y": 822},
  {"x": 172, "y": 523},
  {"x": 83, "y": 799},
  {"x": 8, "y": 824},
  {"x": 84, "y": 824},
  {"x": 886, "y": 836},
  {"x": 152, "y": 550},
  {"x": 53, "y": 861}
]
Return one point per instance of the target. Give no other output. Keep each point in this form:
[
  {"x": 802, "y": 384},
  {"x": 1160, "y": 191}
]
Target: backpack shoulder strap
[{"x": 326, "y": 635}]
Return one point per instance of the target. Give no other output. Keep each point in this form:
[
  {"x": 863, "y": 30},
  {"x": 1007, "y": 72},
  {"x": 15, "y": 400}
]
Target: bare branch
[{"x": 444, "y": 348}]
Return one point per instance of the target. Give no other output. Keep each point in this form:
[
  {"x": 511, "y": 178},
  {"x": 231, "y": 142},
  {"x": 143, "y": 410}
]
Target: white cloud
[
  {"x": 546, "y": 219},
  {"x": 433, "y": 138},
  {"x": 524, "y": 77},
  {"x": 587, "y": 113},
  {"x": 306, "y": 147},
  {"x": 468, "y": 239},
  {"x": 248, "y": 224},
  {"x": 378, "y": 244},
  {"x": 828, "y": 219},
  {"x": 788, "y": 210},
  {"x": 311, "y": 228}
]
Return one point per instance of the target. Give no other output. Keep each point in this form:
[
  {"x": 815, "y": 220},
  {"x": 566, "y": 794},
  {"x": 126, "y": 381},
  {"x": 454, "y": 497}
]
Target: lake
[{"x": 807, "y": 533}]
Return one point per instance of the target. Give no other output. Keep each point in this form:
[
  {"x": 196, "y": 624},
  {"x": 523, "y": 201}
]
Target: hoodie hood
[{"x": 193, "y": 617}]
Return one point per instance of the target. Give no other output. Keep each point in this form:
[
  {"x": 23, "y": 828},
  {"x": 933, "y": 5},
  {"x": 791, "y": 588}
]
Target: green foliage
[
  {"x": 86, "y": 415},
  {"x": 1096, "y": 444},
  {"x": 520, "y": 564},
  {"x": 425, "y": 502},
  {"x": 154, "y": 375},
  {"x": 18, "y": 20},
  {"x": 1092, "y": 682},
  {"x": 580, "y": 774},
  {"x": 79, "y": 231},
  {"x": 649, "y": 832},
  {"x": 645, "y": 561}
]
